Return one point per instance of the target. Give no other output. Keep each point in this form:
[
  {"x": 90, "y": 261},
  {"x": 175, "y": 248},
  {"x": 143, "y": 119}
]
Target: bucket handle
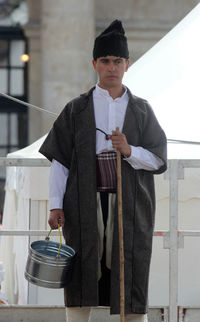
[{"x": 47, "y": 238}]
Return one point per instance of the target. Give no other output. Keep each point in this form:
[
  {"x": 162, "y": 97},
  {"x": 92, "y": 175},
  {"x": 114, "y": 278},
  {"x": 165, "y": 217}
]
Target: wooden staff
[{"x": 121, "y": 240}]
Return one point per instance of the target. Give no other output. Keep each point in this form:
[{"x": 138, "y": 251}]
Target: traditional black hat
[{"x": 111, "y": 42}]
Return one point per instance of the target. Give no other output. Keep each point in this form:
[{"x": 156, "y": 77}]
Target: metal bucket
[{"x": 45, "y": 267}]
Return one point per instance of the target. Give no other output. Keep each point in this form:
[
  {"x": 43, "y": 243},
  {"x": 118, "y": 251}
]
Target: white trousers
[{"x": 82, "y": 314}]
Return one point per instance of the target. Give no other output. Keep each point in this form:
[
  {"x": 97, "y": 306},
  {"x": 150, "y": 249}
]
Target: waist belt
[{"x": 106, "y": 171}]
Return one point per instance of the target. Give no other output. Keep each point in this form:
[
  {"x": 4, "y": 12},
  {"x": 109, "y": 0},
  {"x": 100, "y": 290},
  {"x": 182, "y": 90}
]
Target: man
[{"x": 82, "y": 147}]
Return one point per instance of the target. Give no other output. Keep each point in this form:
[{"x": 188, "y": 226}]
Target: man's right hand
[{"x": 56, "y": 217}]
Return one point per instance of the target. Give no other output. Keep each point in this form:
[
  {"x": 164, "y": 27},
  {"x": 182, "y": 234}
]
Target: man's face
[{"x": 110, "y": 70}]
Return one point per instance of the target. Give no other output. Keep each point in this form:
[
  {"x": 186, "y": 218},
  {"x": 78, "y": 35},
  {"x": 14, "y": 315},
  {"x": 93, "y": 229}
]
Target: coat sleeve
[
  {"x": 153, "y": 137},
  {"x": 59, "y": 142}
]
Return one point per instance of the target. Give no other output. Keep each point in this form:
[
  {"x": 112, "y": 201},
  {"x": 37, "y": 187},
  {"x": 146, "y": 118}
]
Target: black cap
[{"x": 111, "y": 42}]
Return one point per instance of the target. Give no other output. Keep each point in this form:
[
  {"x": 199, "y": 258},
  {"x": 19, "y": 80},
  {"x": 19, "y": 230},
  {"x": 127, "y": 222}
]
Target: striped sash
[{"x": 106, "y": 171}]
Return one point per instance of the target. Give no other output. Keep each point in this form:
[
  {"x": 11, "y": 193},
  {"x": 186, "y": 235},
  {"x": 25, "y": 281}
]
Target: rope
[
  {"x": 55, "y": 114},
  {"x": 47, "y": 238},
  {"x": 28, "y": 105},
  {"x": 60, "y": 240},
  {"x": 183, "y": 141}
]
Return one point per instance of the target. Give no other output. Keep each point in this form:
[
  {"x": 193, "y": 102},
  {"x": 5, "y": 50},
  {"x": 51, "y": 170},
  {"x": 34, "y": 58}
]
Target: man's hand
[
  {"x": 120, "y": 143},
  {"x": 56, "y": 217}
]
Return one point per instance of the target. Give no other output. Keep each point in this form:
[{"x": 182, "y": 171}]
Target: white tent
[{"x": 168, "y": 77}]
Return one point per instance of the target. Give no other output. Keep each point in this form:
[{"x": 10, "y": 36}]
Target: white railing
[{"x": 173, "y": 239}]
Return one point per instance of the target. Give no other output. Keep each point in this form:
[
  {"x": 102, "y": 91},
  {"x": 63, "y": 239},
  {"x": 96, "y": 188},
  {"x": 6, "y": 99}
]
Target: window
[{"x": 13, "y": 81}]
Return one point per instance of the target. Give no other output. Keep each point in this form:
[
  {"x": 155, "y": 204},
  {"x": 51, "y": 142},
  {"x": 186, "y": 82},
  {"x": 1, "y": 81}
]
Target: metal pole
[{"x": 173, "y": 250}]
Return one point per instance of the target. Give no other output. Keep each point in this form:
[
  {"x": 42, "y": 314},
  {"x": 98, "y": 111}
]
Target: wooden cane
[{"x": 121, "y": 240}]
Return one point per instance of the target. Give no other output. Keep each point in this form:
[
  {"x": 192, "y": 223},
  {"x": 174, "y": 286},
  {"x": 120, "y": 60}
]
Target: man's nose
[{"x": 111, "y": 66}]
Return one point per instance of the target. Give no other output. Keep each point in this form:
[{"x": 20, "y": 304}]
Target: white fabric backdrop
[{"x": 168, "y": 77}]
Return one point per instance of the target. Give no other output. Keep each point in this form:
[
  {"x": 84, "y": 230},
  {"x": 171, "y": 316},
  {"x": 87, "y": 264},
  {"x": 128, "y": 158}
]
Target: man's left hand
[{"x": 120, "y": 143}]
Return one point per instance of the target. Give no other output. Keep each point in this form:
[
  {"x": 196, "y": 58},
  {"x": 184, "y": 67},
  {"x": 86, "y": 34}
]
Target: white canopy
[{"x": 168, "y": 77}]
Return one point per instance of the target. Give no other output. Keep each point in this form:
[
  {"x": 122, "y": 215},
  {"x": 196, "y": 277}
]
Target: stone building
[{"x": 61, "y": 35}]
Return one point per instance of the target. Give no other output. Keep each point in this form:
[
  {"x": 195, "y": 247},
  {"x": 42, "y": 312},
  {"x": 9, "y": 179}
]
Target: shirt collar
[{"x": 103, "y": 92}]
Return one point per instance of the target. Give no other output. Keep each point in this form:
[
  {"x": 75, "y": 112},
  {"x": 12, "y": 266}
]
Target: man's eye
[
  {"x": 118, "y": 61},
  {"x": 104, "y": 61}
]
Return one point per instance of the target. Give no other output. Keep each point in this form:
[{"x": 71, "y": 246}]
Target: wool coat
[{"x": 72, "y": 142}]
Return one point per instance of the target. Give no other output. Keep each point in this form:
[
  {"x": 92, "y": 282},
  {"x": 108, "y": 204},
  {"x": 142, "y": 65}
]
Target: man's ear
[
  {"x": 127, "y": 64},
  {"x": 94, "y": 62}
]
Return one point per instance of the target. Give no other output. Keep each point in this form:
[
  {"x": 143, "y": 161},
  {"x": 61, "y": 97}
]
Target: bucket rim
[{"x": 63, "y": 246}]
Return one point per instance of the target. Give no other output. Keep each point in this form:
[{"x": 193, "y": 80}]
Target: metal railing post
[{"x": 175, "y": 174}]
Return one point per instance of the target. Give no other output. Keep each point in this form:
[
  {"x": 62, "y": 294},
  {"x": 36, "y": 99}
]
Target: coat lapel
[
  {"x": 85, "y": 128},
  {"x": 85, "y": 149}
]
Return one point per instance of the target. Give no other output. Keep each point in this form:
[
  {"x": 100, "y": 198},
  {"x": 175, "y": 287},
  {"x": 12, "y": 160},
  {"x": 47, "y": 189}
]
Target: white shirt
[{"x": 109, "y": 114}]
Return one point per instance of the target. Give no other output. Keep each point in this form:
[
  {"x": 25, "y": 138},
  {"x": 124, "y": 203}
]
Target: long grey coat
[{"x": 72, "y": 142}]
